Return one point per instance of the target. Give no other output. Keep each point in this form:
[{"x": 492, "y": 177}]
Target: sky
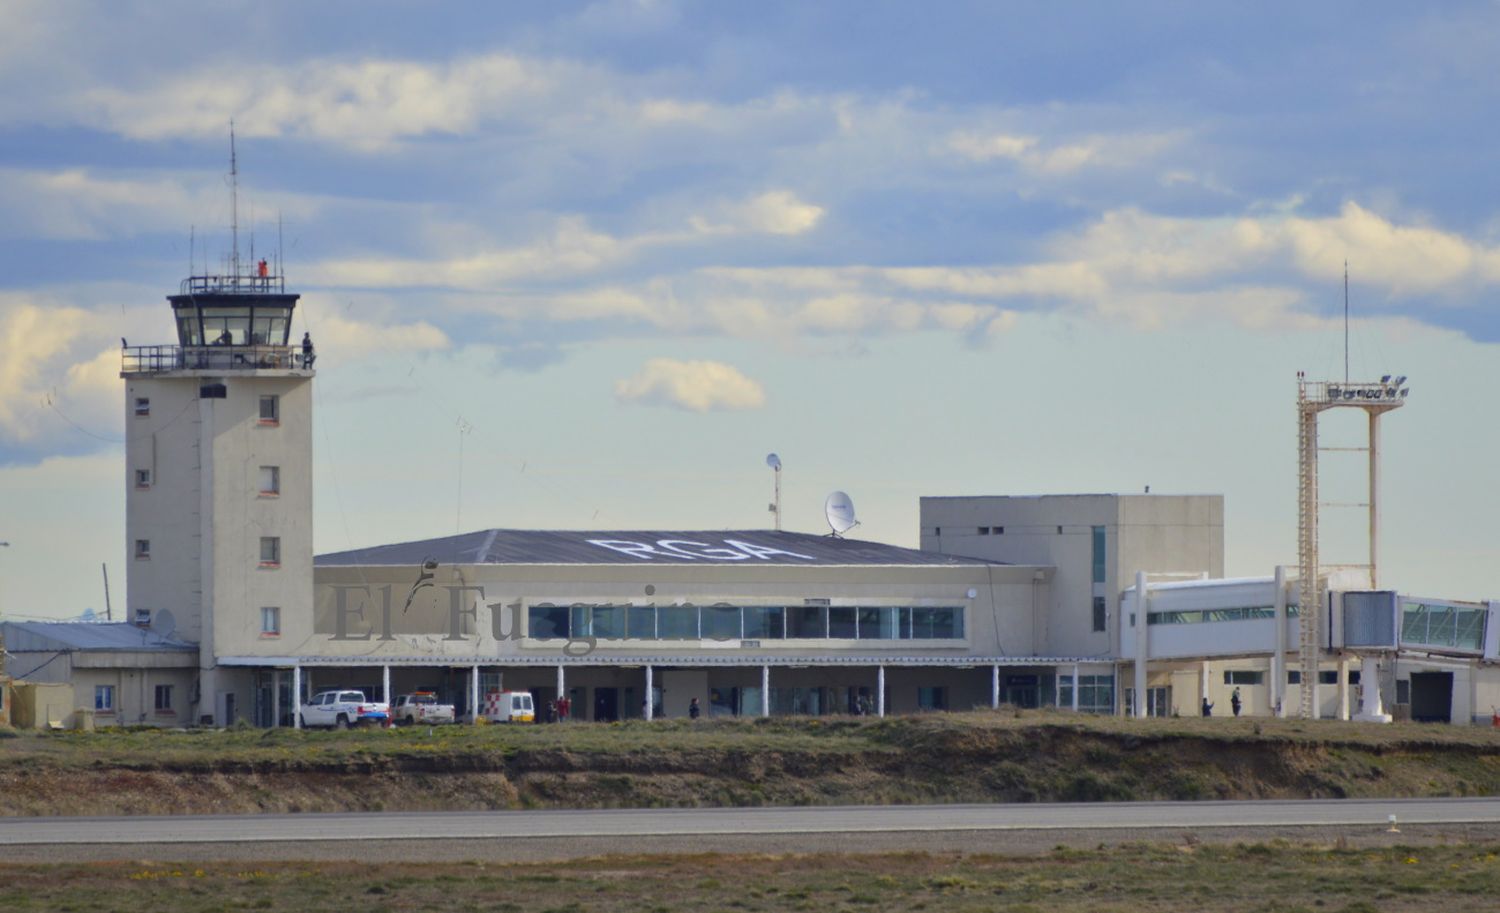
[{"x": 583, "y": 265}]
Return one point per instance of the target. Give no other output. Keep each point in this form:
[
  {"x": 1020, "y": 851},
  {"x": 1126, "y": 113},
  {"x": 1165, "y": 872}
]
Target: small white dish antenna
[
  {"x": 839, "y": 509},
  {"x": 164, "y": 623},
  {"x": 773, "y": 461}
]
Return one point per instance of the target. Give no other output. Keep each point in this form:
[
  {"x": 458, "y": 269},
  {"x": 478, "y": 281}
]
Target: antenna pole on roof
[
  {"x": 234, "y": 206},
  {"x": 108, "y": 614},
  {"x": 1346, "y": 321}
]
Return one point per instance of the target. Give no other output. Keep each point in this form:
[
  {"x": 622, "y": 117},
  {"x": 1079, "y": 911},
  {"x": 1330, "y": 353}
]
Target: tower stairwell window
[
  {"x": 270, "y": 551},
  {"x": 270, "y": 481},
  {"x": 270, "y": 410}
]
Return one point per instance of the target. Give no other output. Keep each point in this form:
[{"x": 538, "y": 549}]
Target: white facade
[
  {"x": 218, "y": 477},
  {"x": 1094, "y": 543}
]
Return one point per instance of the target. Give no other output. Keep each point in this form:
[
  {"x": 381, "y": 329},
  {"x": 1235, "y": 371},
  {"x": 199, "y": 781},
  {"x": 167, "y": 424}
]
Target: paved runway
[{"x": 628, "y": 823}]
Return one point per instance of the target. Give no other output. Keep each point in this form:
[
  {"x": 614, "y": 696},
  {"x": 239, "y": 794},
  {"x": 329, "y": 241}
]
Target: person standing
[
  {"x": 1234, "y": 702},
  {"x": 307, "y": 350},
  {"x": 693, "y": 709},
  {"x": 1208, "y": 709}
]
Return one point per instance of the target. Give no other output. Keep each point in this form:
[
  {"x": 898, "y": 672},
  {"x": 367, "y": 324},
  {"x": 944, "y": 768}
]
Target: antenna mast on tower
[{"x": 234, "y": 206}]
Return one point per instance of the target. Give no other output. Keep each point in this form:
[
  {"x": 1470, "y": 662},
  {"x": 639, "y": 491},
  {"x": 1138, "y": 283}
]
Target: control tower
[{"x": 218, "y": 478}]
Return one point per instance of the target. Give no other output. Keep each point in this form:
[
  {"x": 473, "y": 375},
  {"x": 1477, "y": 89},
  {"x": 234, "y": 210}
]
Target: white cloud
[
  {"x": 55, "y": 362},
  {"x": 366, "y": 103},
  {"x": 348, "y": 340},
  {"x": 80, "y": 204},
  {"x": 777, "y": 212},
  {"x": 1031, "y": 153},
  {"x": 697, "y": 386}
]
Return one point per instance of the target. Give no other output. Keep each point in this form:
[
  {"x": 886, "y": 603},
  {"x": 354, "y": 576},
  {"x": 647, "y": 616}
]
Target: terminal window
[
  {"x": 163, "y": 698},
  {"x": 104, "y": 698},
  {"x": 270, "y": 620}
]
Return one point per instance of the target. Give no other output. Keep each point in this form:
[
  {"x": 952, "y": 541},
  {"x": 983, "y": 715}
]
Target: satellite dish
[
  {"x": 840, "y": 512},
  {"x": 773, "y": 461},
  {"x": 164, "y": 623}
]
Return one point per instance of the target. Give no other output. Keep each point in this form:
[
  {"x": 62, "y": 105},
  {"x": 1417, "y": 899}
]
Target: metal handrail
[
  {"x": 157, "y": 359},
  {"x": 233, "y": 285}
]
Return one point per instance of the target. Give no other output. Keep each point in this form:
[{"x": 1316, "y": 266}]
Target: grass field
[
  {"x": 1155, "y": 878},
  {"x": 1034, "y": 756}
]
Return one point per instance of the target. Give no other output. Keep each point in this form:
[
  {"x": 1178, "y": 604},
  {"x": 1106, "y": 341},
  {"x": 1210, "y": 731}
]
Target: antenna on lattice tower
[{"x": 1346, "y": 321}]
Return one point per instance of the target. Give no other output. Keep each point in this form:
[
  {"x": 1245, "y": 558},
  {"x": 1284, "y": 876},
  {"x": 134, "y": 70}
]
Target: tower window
[
  {"x": 143, "y": 478},
  {"x": 1100, "y": 614},
  {"x": 270, "y": 551},
  {"x": 142, "y": 405},
  {"x": 270, "y": 410},
  {"x": 270, "y": 481},
  {"x": 270, "y": 621},
  {"x": 143, "y": 549}
]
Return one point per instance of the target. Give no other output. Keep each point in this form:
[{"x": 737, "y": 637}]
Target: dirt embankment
[{"x": 895, "y": 764}]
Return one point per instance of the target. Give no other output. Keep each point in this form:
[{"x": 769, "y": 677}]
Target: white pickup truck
[
  {"x": 420, "y": 707},
  {"x": 342, "y": 709}
]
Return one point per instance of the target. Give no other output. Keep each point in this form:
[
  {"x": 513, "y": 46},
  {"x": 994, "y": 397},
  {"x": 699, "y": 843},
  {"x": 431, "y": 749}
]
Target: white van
[{"x": 508, "y": 707}]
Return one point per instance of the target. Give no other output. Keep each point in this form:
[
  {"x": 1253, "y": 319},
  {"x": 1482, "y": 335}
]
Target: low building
[
  {"x": 120, "y": 673},
  {"x": 745, "y": 622}
]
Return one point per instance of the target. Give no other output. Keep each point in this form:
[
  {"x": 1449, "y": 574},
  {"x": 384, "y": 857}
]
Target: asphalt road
[{"x": 514, "y": 826}]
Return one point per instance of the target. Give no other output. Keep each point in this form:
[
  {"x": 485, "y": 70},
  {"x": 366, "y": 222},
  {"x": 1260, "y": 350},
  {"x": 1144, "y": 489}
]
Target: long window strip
[{"x": 726, "y": 622}]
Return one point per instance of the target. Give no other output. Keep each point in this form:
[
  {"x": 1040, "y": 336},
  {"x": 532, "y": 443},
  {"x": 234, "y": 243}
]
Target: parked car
[
  {"x": 420, "y": 707},
  {"x": 342, "y": 709}
]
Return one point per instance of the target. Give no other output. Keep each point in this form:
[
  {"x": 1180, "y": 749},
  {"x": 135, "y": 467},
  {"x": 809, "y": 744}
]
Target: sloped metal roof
[
  {"x": 23, "y": 636},
  {"x": 748, "y": 548}
]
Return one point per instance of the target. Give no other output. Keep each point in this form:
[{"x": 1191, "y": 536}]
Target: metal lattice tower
[
  {"x": 1314, "y": 397},
  {"x": 1309, "y": 593}
]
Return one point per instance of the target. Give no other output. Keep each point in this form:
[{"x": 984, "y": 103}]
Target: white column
[
  {"x": 1075, "y": 687},
  {"x": 562, "y": 682},
  {"x": 296, "y": 697},
  {"x": 275, "y": 698},
  {"x": 1374, "y": 496},
  {"x": 1371, "y": 710},
  {"x": 1343, "y": 687},
  {"x": 1278, "y": 658},
  {"x": 650, "y": 704},
  {"x": 1142, "y": 645},
  {"x": 880, "y": 691},
  {"x": 1204, "y": 674},
  {"x": 765, "y": 690},
  {"x": 474, "y": 694},
  {"x": 995, "y": 686},
  {"x": 385, "y": 680}
]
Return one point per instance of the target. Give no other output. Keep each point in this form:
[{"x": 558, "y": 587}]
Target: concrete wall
[
  {"x": 1176, "y": 534},
  {"x": 204, "y": 513},
  {"x": 999, "y": 616}
]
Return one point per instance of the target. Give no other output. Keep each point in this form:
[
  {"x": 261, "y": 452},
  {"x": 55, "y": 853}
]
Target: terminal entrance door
[
  {"x": 606, "y": 705},
  {"x": 1432, "y": 697},
  {"x": 1022, "y": 691}
]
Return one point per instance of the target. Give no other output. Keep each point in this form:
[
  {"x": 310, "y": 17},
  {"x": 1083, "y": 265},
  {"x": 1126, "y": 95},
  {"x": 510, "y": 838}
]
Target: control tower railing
[
  {"x": 159, "y": 359},
  {"x": 253, "y": 284}
]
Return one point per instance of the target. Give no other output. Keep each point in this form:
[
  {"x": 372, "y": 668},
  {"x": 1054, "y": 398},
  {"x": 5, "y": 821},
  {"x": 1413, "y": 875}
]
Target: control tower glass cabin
[{"x": 227, "y": 323}]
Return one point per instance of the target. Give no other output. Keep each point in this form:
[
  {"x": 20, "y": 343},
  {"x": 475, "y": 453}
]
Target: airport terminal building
[
  {"x": 748, "y": 622},
  {"x": 1026, "y": 601}
]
